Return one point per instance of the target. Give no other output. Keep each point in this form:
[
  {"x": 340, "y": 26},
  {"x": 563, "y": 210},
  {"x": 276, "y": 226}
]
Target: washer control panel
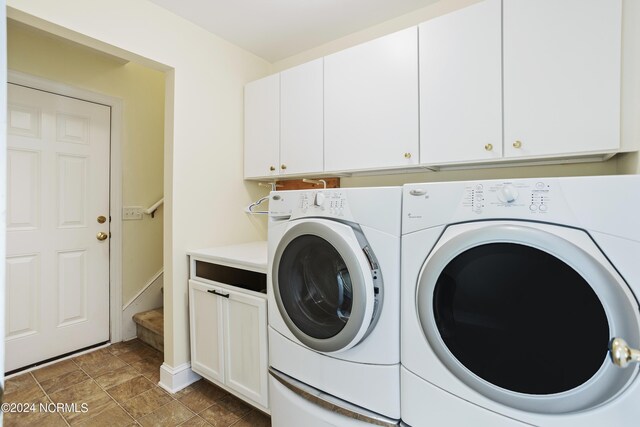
[
  {"x": 532, "y": 196},
  {"x": 328, "y": 203}
]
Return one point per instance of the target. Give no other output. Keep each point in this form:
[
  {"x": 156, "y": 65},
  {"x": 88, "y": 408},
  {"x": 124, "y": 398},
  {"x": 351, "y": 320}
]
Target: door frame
[{"x": 115, "y": 182}]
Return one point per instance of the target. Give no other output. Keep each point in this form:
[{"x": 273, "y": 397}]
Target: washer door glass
[
  {"x": 323, "y": 284},
  {"x": 505, "y": 309},
  {"x": 319, "y": 297}
]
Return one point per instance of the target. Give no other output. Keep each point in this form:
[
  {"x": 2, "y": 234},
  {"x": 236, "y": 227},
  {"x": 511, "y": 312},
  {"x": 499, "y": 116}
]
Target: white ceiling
[{"x": 277, "y": 29}]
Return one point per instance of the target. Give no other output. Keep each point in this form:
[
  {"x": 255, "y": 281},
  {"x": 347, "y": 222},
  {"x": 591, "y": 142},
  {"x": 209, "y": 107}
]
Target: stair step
[{"x": 150, "y": 327}]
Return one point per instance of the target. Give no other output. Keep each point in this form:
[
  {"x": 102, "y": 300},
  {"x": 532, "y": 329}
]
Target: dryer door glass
[
  {"x": 319, "y": 294},
  {"x": 504, "y": 310}
]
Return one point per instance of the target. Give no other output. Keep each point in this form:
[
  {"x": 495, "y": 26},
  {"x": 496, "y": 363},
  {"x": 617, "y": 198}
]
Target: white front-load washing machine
[
  {"x": 333, "y": 286},
  {"x": 512, "y": 292}
]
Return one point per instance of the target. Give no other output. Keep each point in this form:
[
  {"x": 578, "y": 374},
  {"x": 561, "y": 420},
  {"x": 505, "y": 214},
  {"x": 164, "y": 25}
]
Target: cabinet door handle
[{"x": 218, "y": 293}]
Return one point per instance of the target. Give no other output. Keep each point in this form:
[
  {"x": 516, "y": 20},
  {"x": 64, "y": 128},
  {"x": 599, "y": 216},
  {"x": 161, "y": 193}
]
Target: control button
[
  {"x": 507, "y": 194},
  {"x": 319, "y": 199},
  {"x": 543, "y": 208},
  {"x": 479, "y": 187},
  {"x": 533, "y": 207},
  {"x": 540, "y": 185}
]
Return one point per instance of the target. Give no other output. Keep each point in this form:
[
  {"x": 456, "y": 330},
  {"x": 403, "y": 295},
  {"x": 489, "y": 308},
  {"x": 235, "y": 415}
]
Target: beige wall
[
  {"x": 142, "y": 91},
  {"x": 629, "y": 163},
  {"x": 203, "y": 183}
]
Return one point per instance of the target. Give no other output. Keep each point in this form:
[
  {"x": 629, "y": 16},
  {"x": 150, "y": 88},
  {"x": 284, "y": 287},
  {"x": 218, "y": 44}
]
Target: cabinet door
[
  {"x": 262, "y": 127},
  {"x": 206, "y": 331},
  {"x": 461, "y": 85},
  {"x": 301, "y": 120},
  {"x": 561, "y": 76},
  {"x": 246, "y": 346},
  {"x": 371, "y": 104}
]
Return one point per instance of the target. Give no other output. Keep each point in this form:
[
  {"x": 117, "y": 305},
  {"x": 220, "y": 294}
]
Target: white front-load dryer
[
  {"x": 512, "y": 292},
  {"x": 334, "y": 296}
]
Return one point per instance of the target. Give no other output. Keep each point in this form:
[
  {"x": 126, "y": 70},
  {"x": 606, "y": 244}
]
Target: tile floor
[{"x": 118, "y": 384}]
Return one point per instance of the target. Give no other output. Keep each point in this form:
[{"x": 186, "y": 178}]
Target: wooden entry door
[{"x": 57, "y": 263}]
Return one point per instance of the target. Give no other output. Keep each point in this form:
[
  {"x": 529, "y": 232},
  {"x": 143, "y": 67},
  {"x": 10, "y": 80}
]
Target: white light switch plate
[{"x": 131, "y": 213}]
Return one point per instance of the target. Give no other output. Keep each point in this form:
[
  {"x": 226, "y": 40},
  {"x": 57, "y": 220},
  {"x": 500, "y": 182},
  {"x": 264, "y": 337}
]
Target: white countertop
[{"x": 249, "y": 256}]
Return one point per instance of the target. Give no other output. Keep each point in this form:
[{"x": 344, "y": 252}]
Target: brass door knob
[
  {"x": 407, "y": 155},
  {"x": 517, "y": 144},
  {"x": 621, "y": 354},
  {"x": 272, "y": 168},
  {"x": 101, "y": 236},
  {"x": 101, "y": 219},
  {"x": 283, "y": 166},
  {"x": 488, "y": 147}
]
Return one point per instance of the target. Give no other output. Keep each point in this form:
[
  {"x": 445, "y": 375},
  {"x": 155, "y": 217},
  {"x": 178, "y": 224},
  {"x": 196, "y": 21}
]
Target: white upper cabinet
[
  {"x": 262, "y": 127},
  {"x": 301, "y": 119},
  {"x": 371, "y": 104},
  {"x": 461, "y": 85},
  {"x": 497, "y": 81},
  {"x": 562, "y": 62}
]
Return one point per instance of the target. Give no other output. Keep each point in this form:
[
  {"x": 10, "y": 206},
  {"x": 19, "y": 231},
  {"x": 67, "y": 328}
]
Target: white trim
[
  {"x": 3, "y": 177},
  {"x": 116, "y": 104},
  {"x": 175, "y": 379},
  {"x": 144, "y": 288},
  {"x": 148, "y": 298}
]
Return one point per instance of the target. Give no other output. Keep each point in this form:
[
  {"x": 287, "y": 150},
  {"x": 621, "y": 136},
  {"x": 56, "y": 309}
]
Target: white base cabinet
[{"x": 229, "y": 340}]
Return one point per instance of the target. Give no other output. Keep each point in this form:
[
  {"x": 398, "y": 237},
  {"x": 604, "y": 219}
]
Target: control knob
[
  {"x": 507, "y": 194},
  {"x": 318, "y": 199}
]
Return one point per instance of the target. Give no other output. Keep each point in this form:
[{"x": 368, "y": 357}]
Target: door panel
[
  {"x": 207, "y": 349},
  {"x": 262, "y": 127},
  {"x": 461, "y": 111},
  {"x": 72, "y": 287},
  {"x": 561, "y": 76},
  {"x": 371, "y": 104},
  {"x": 23, "y": 279},
  {"x": 246, "y": 358},
  {"x": 23, "y": 184},
  {"x": 301, "y": 118},
  {"x": 58, "y": 184}
]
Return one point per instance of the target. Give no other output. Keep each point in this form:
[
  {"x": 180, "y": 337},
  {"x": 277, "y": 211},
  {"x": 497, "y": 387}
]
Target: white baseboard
[
  {"x": 149, "y": 297},
  {"x": 175, "y": 379}
]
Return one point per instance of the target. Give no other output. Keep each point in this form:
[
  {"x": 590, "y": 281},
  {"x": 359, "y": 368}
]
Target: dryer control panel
[
  {"x": 594, "y": 203},
  {"x": 430, "y": 204},
  {"x": 533, "y": 197}
]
